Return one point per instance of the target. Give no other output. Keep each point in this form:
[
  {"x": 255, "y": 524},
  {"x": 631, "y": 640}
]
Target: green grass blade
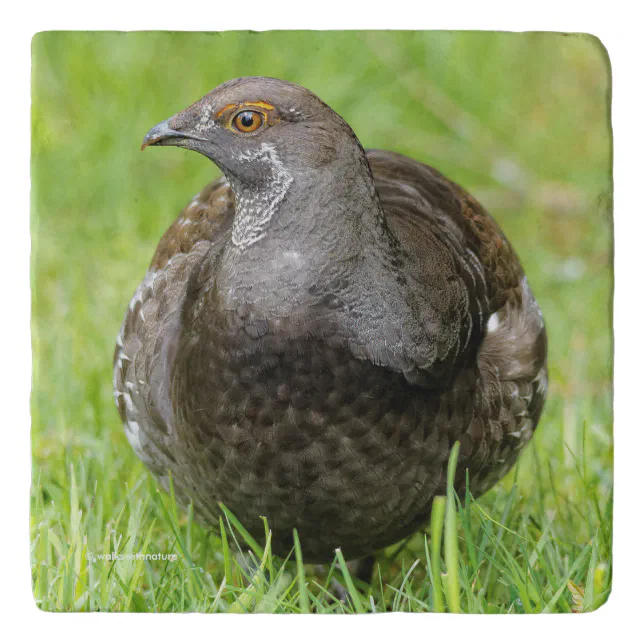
[
  {"x": 451, "y": 536},
  {"x": 573, "y": 569},
  {"x": 436, "y": 531},
  {"x": 254, "y": 546},
  {"x": 228, "y": 564},
  {"x": 305, "y": 607},
  {"x": 356, "y": 597}
]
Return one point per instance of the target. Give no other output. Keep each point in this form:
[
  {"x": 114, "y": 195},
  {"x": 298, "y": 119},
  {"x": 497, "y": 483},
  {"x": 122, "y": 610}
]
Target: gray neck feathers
[
  {"x": 332, "y": 207},
  {"x": 296, "y": 231}
]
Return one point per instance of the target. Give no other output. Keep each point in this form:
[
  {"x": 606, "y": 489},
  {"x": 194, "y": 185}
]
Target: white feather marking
[
  {"x": 132, "y": 431},
  {"x": 542, "y": 381},
  {"x": 129, "y": 405},
  {"x": 493, "y": 323},
  {"x": 251, "y": 218}
]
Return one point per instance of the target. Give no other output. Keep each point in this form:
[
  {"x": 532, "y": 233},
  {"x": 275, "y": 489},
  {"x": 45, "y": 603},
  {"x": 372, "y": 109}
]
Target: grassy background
[{"x": 520, "y": 120}]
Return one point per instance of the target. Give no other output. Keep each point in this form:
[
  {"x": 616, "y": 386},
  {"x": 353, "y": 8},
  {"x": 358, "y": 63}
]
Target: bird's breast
[{"x": 290, "y": 428}]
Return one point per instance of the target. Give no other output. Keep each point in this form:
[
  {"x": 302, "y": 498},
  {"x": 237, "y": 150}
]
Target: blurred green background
[{"x": 520, "y": 120}]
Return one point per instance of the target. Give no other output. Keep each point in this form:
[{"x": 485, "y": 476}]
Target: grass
[{"x": 520, "y": 120}]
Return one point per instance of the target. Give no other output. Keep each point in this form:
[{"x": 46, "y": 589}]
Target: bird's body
[{"x": 319, "y": 327}]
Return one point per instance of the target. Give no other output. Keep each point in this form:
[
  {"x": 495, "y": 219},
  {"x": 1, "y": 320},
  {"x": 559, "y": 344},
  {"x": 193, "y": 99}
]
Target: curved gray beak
[{"x": 162, "y": 134}]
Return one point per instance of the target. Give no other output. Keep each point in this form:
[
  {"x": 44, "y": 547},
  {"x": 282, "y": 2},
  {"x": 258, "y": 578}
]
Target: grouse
[{"x": 319, "y": 326}]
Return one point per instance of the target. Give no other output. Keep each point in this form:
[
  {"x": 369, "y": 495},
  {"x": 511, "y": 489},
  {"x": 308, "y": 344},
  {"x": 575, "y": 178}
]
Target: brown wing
[
  {"x": 146, "y": 344},
  {"x": 508, "y": 343},
  {"x": 409, "y": 188}
]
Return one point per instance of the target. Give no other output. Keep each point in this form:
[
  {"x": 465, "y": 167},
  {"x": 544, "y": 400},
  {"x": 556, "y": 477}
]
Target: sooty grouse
[{"x": 318, "y": 328}]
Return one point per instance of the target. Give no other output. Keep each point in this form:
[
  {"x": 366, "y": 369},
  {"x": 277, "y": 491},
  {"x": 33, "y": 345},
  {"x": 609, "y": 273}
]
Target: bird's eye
[{"x": 248, "y": 121}]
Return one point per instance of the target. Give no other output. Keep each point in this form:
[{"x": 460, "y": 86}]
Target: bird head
[
  {"x": 249, "y": 125},
  {"x": 284, "y": 152}
]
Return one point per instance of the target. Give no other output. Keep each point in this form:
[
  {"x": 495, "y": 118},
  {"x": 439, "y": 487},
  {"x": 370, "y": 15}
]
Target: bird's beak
[
  {"x": 164, "y": 134},
  {"x": 160, "y": 133}
]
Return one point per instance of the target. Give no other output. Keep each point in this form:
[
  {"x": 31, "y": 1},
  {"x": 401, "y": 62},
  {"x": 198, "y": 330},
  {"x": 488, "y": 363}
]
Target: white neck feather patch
[{"x": 254, "y": 213}]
